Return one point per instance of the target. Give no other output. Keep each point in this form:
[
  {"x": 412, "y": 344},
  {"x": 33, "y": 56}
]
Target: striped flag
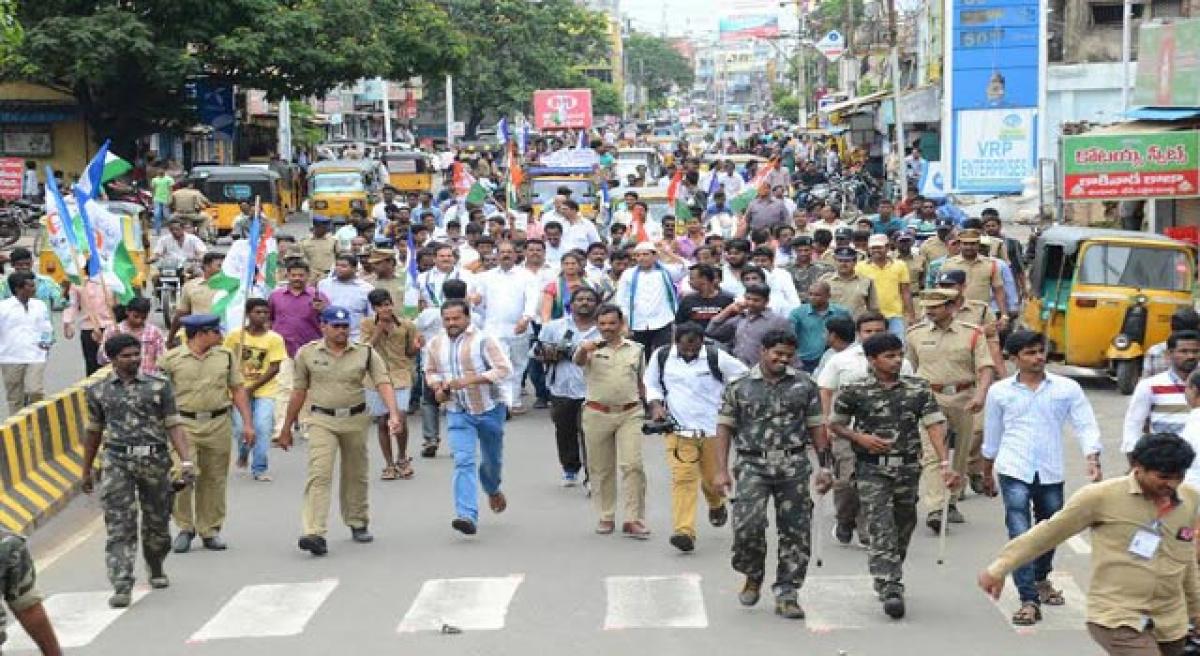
[
  {"x": 742, "y": 201},
  {"x": 248, "y": 271}
]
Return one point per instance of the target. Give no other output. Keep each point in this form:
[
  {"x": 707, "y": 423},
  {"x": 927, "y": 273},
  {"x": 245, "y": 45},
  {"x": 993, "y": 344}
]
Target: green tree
[
  {"x": 517, "y": 47},
  {"x": 605, "y": 97},
  {"x": 127, "y": 63},
  {"x": 654, "y": 64},
  {"x": 304, "y": 133}
]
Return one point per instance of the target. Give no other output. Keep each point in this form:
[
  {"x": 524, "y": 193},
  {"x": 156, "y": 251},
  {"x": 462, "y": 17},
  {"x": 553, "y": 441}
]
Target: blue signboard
[{"x": 995, "y": 48}]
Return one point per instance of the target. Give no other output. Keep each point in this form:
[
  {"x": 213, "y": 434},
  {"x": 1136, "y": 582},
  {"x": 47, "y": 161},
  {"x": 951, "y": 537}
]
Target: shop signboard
[{"x": 1131, "y": 166}]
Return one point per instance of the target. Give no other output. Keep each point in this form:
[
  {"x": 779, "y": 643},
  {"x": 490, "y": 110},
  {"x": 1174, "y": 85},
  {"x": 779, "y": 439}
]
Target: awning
[
  {"x": 1163, "y": 113},
  {"x": 853, "y": 103},
  {"x": 36, "y": 112}
]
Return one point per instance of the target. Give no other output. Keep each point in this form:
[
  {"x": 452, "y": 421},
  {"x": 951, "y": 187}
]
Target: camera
[
  {"x": 559, "y": 351},
  {"x": 659, "y": 426}
]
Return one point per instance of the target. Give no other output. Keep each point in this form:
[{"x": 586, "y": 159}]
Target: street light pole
[
  {"x": 895, "y": 64},
  {"x": 802, "y": 63}
]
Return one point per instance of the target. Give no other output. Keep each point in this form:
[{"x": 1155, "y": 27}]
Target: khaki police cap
[{"x": 937, "y": 296}]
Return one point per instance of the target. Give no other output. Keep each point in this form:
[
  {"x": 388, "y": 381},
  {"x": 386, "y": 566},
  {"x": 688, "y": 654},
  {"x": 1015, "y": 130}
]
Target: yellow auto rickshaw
[
  {"x": 229, "y": 186},
  {"x": 132, "y": 231},
  {"x": 543, "y": 182},
  {"x": 337, "y": 186},
  {"x": 1101, "y": 297},
  {"x": 409, "y": 171}
]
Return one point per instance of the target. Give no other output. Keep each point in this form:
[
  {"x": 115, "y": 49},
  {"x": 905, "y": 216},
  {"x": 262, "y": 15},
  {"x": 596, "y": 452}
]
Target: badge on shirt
[
  {"x": 1186, "y": 534},
  {"x": 1144, "y": 543}
]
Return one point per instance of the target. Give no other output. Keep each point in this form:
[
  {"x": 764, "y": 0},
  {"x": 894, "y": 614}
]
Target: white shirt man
[
  {"x": 27, "y": 329},
  {"x": 1158, "y": 400},
  {"x": 849, "y": 365},
  {"x": 509, "y": 304},
  {"x": 692, "y": 395},
  {"x": 379, "y": 211},
  {"x": 190, "y": 247},
  {"x": 578, "y": 233},
  {"x": 784, "y": 297},
  {"x": 648, "y": 297}
]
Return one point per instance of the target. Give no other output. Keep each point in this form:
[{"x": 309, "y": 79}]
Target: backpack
[{"x": 710, "y": 354}]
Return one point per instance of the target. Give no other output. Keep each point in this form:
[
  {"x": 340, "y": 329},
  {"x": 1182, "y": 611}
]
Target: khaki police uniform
[
  {"x": 196, "y": 297},
  {"x": 983, "y": 275},
  {"x": 612, "y": 429},
  {"x": 338, "y": 422},
  {"x": 950, "y": 359},
  {"x": 320, "y": 253},
  {"x": 980, "y": 314},
  {"x": 916, "y": 264},
  {"x": 856, "y": 293},
  {"x": 934, "y": 249},
  {"x": 202, "y": 394}
]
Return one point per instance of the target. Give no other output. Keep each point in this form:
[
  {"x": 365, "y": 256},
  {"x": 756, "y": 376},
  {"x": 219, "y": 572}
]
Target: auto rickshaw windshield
[
  {"x": 1136, "y": 266},
  {"x": 542, "y": 191},
  {"x": 337, "y": 182}
]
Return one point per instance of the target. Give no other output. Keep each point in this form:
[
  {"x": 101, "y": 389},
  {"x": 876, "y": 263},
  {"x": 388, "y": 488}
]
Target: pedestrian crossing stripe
[
  {"x": 467, "y": 604},
  {"x": 654, "y": 602},
  {"x": 78, "y": 618},
  {"x": 261, "y": 611}
]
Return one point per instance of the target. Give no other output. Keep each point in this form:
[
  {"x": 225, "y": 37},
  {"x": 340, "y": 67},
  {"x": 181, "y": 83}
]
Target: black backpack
[{"x": 710, "y": 353}]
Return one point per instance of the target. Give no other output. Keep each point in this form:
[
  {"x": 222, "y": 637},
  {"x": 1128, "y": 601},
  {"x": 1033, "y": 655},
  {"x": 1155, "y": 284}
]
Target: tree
[
  {"x": 605, "y": 97},
  {"x": 517, "y": 47},
  {"x": 128, "y": 63},
  {"x": 654, "y": 64}
]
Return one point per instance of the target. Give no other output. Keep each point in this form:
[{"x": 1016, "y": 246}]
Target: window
[
  {"x": 1143, "y": 267},
  {"x": 1110, "y": 15},
  {"x": 1165, "y": 9}
]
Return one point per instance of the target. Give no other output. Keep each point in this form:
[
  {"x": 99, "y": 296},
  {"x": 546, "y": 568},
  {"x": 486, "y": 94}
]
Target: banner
[
  {"x": 12, "y": 170},
  {"x": 1168, "y": 65},
  {"x": 1131, "y": 166},
  {"x": 562, "y": 109},
  {"x": 996, "y": 149},
  {"x": 744, "y": 28}
]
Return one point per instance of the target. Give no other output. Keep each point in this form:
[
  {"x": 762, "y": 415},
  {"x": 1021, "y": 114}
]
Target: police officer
[
  {"x": 196, "y": 297},
  {"x": 984, "y": 281},
  {"x": 953, "y": 356},
  {"x": 847, "y": 288},
  {"x": 329, "y": 378},
  {"x": 206, "y": 378},
  {"x": 887, "y": 410},
  {"x": 763, "y": 417},
  {"x": 319, "y": 250},
  {"x": 135, "y": 416}
]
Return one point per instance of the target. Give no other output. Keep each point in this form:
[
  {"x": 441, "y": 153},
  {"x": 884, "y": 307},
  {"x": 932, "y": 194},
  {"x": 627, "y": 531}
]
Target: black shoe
[
  {"x": 214, "y": 543},
  {"x": 158, "y": 578},
  {"x": 313, "y": 544},
  {"x": 683, "y": 542},
  {"x": 120, "y": 599},
  {"x": 183, "y": 542},
  {"x": 934, "y": 521},
  {"x": 361, "y": 534},
  {"x": 954, "y": 516},
  {"x": 718, "y": 516},
  {"x": 789, "y": 608},
  {"x": 893, "y": 602},
  {"x": 541, "y": 404},
  {"x": 843, "y": 533},
  {"x": 464, "y": 526},
  {"x": 429, "y": 450},
  {"x": 750, "y": 592},
  {"x": 976, "y": 480}
]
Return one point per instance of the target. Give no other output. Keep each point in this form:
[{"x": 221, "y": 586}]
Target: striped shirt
[
  {"x": 1158, "y": 400},
  {"x": 472, "y": 352}
]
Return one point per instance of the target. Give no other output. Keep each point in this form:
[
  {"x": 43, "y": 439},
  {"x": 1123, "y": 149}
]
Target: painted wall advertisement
[
  {"x": 1131, "y": 166},
  {"x": 1168, "y": 66},
  {"x": 12, "y": 170},
  {"x": 995, "y": 53},
  {"x": 562, "y": 109}
]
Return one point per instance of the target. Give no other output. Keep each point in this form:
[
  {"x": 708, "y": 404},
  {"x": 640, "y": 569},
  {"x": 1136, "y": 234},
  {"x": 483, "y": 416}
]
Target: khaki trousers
[
  {"x": 287, "y": 372},
  {"x": 962, "y": 423},
  {"x": 691, "y": 461},
  {"x": 200, "y": 507},
  {"x": 326, "y": 437},
  {"x": 1127, "y": 641},
  {"x": 24, "y": 384},
  {"x": 614, "y": 441}
]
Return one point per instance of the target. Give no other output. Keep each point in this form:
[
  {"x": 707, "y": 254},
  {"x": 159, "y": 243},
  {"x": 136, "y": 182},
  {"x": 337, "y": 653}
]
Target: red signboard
[
  {"x": 11, "y": 171},
  {"x": 562, "y": 109}
]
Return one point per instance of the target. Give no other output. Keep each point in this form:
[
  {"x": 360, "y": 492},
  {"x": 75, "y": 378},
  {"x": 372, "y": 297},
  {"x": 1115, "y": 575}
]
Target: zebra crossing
[{"x": 666, "y": 602}]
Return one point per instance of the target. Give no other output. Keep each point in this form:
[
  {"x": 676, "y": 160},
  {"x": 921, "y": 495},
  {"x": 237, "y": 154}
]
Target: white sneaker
[{"x": 570, "y": 479}]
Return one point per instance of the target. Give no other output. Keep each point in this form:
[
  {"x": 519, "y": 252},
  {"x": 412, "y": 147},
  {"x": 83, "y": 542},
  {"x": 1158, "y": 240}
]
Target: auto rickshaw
[
  {"x": 337, "y": 186},
  {"x": 543, "y": 182},
  {"x": 409, "y": 171},
  {"x": 133, "y": 232},
  {"x": 228, "y": 186},
  {"x": 1101, "y": 297}
]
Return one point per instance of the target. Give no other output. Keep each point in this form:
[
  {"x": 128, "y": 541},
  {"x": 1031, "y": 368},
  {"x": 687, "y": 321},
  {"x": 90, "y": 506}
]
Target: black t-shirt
[{"x": 695, "y": 307}]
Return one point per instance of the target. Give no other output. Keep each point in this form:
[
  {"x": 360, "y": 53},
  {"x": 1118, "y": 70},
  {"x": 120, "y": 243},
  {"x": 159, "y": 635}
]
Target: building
[{"x": 46, "y": 126}]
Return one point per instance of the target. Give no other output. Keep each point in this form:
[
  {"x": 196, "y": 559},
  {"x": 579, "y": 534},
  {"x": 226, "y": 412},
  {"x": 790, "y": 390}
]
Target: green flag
[
  {"x": 682, "y": 212},
  {"x": 477, "y": 194}
]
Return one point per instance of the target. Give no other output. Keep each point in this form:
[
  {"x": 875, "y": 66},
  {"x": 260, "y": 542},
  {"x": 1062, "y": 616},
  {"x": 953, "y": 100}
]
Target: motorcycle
[
  {"x": 15, "y": 218},
  {"x": 171, "y": 276}
]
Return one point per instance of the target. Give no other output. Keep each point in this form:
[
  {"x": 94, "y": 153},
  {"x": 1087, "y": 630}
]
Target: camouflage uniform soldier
[
  {"x": 888, "y": 410},
  {"x": 136, "y": 414},
  {"x": 761, "y": 417},
  {"x": 18, "y": 584}
]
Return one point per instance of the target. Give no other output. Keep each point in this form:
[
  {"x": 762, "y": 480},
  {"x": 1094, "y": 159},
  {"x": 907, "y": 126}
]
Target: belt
[
  {"x": 952, "y": 388},
  {"x": 203, "y": 416},
  {"x": 140, "y": 450},
  {"x": 341, "y": 412},
  {"x": 772, "y": 453},
  {"x": 886, "y": 459},
  {"x": 600, "y": 407}
]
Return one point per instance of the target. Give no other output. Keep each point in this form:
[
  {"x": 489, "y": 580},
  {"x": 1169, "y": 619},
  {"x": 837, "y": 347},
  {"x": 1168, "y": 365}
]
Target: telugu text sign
[
  {"x": 562, "y": 109},
  {"x": 11, "y": 171},
  {"x": 996, "y": 150},
  {"x": 1131, "y": 166}
]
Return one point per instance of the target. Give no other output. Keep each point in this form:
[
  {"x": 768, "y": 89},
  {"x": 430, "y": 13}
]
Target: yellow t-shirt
[
  {"x": 887, "y": 285},
  {"x": 258, "y": 352}
]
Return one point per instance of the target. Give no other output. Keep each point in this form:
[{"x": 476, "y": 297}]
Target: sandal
[
  {"x": 1048, "y": 595},
  {"x": 1028, "y": 614},
  {"x": 404, "y": 468},
  {"x": 390, "y": 473}
]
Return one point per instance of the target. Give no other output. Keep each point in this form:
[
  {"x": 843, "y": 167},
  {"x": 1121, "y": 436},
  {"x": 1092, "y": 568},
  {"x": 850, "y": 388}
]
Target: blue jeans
[
  {"x": 262, "y": 415},
  {"x": 1019, "y": 499},
  {"x": 160, "y": 213},
  {"x": 463, "y": 431}
]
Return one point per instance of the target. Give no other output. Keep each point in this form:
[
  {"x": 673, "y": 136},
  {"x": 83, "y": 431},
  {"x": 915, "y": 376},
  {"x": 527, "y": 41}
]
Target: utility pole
[
  {"x": 387, "y": 113},
  {"x": 896, "y": 114},
  {"x": 802, "y": 64},
  {"x": 449, "y": 110},
  {"x": 1126, "y": 51}
]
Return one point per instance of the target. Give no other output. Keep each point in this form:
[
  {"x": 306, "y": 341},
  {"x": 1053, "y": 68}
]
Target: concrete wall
[{"x": 1083, "y": 92}]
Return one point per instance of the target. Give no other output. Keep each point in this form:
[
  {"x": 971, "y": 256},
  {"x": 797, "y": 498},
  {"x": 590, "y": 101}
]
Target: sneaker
[
  {"x": 183, "y": 542},
  {"x": 934, "y": 521},
  {"x": 429, "y": 449},
  {"x": 361, "y": 534},
  {"x": 843, "y": 534},
  {"x": 570, "y": 479},
  {"x": 954, "y": 516},
  {"x": 463, "y": 525}
]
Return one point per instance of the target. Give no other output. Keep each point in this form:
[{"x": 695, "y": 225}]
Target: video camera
[
  {"x": 552, "y": 352},
  {"x": 660, "y": 426}
]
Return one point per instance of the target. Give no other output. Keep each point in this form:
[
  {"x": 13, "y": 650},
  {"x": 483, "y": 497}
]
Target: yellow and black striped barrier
[{"x": 41, "y": 459}]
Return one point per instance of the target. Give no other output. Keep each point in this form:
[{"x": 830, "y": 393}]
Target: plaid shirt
[
  {"x": 471, "y": 352},
  {"x": 153, "y": 345}
]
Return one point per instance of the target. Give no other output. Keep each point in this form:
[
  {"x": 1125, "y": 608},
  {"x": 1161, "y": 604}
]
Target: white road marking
[
  {"x": 67, "y": 546},
  {"x": 841, "y": 602},
  {"x": 260, "y": 611},
  {"x": 1068, "y": 617},
  {"x": 78, "y": 617},
  {"x": 469, "y": 604},
  {"x": 1079, "y": 545},
  {"x": 655, "y": 602}
]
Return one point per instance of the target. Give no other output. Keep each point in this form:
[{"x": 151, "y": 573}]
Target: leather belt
[
  {"x": 952, "y": 388},
  {"x": 341, "y": 412},
  {"x": 140, "y": 450},
  {"x": 610, "y": 409},
  {"x": 203, "y": 416},
  {"x": 772, "y": 453},
  {"x": 886, "y": 459}
]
